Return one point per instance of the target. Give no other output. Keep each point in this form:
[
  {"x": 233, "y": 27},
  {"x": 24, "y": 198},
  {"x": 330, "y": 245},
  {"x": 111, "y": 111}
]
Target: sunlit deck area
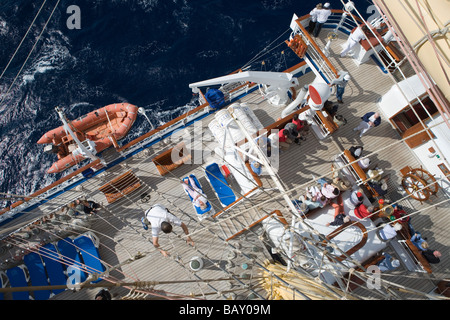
[{"x": 232, "y": 244}]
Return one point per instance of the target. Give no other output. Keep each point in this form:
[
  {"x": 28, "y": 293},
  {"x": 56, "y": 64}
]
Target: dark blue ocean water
[{"x": 145, "y": 52}]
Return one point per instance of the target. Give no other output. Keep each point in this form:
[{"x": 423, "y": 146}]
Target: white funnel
[{"x": 318, "y": 94}]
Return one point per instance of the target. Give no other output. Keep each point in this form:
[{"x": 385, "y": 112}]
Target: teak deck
[{"x": 122, "y": 236}]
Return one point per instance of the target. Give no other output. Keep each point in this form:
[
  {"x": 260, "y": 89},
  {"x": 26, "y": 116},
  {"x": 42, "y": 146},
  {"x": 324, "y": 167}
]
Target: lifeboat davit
[{"x": 99, "y": 130}]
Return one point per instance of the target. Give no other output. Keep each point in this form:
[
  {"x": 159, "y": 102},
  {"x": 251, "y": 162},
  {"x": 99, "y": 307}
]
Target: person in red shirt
[
  {"x": 302, "y": 126},
  {"x": 283, "y": 139}
]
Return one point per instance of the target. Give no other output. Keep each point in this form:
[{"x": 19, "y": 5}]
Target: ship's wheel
[{"x": 419, "y": 184}]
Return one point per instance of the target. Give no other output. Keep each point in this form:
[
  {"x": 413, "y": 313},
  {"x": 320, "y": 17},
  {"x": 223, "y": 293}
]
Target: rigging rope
[
  {"x": 293, "y": 189},
  {"x": 262, "y": 52},
  {"x": 23, "y": 39},
  {"x": 31, "y": 51}
]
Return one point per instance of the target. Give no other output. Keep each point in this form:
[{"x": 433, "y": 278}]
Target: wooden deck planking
[{"x": 297, "y": 165}]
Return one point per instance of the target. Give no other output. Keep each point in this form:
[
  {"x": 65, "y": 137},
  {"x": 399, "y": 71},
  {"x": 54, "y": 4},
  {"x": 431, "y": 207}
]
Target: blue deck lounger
[
  {"x": 219, "y": 184},
  {"x": 90, "y": 255},
  {"x": 18, "y": 278},
  {"x": 72, "y": 261},
  {"x": 55, "y": 269},
  {"x": 198, "y": 185},
  {"x": 38, "y": 275}
]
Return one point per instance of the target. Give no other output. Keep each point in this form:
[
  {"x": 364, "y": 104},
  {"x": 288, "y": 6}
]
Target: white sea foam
[{"x": 53, "y": 54}]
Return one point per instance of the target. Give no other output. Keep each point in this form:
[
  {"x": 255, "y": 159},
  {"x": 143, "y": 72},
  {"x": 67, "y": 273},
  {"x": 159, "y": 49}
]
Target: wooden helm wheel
[
  {"x": 428, "y": 178},
  {"x": 416, "y": 187}
]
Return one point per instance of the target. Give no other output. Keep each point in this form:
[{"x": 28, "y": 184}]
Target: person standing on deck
[
  {"x": 369, "y": 120},
  {"x": 340, "y": 87},
  {"x": 354, "y": 38},
  {"x": 322, "y": 17},
  {"x": 161, "y": 220},
  {"x": 313, "y": 14}
]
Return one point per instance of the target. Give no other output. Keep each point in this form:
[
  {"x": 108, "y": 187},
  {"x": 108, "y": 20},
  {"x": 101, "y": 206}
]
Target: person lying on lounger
[{"x": 198, "y": 199}]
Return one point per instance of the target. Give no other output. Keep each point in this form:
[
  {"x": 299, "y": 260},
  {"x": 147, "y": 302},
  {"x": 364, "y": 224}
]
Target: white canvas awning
[{"x": 394, "y": 100}]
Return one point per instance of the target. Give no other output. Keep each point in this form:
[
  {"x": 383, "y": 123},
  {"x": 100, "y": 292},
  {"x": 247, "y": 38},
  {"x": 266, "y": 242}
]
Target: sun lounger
[
  {"x": 38, "y": 275},
  {"x": 87, "y": 244},
  {"x": 18, "y": 278},
  {"x": 53, "y": 265},
  {"x": 219, "y": 184},
  {"x": 72, "y": 261},
  {"x": 201, "y": 213}
]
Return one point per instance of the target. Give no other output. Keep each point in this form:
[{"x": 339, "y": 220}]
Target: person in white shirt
[
  {"x": 369, "y": 120},
  {"x": 354, "y": 38},
  {"x": 161, "y": 220},
  {"x": 198, "y": 198},
  {"x": 388, "y": 232},
  {"x": 313, "y": 20},
  {"x": 322, "y": 17}
]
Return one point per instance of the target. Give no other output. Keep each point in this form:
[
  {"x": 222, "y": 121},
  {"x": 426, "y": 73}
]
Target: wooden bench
[
  {"x": 356, "y": 281},
  {"x": 165, "y": 163},
  {"x": 120, "y": 186},
  {"x": 420, "y": 258},
  {"x": 357, "y": 172}
]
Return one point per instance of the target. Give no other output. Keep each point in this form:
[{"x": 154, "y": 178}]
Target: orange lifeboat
[{"x": 98, "y": 129}]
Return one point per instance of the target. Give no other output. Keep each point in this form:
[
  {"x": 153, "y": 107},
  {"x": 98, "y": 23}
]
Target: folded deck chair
[
  {"x": 53, "y": 265},
  {"x": 90, "y": 254},
  {"x": 201, "y": 213},
  {"x": 18, "y": 278},
  {"x": 219, "y": 184},
  {"x": 72, "y": 261},
  {"x": 38, "y": 275}
]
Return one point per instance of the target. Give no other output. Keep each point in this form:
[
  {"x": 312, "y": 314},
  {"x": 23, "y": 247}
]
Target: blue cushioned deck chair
[
  {"x": 72, "y": 261},
  {"x": 38, "y": 275},
  {"x": 219, "y": 184},
  {"x": 87, "y": 244},
  {"x": 18, "y": 278},
  {"x": 201, "y": 213},
  {"x": 53, "y": 265}
]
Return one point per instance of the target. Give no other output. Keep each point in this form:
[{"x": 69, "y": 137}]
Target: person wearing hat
[
  {"x": 341, "y": 83},
  {"x": 355, "y": 37},
  {"x": 364, "y": 163},
  {"x": 342, "y": 184},
  {"x": 369, "y": 120},
  {"x": 356, "y": 151},
  {"x": 161, "y": 220},
  {"x": 322, "y": 17},
  {"x": 256, "y": 167},
  {"x": 355, "y": 199},
  {"x": 388, "y": 263},
  {"x": 388, "y": 232}
]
